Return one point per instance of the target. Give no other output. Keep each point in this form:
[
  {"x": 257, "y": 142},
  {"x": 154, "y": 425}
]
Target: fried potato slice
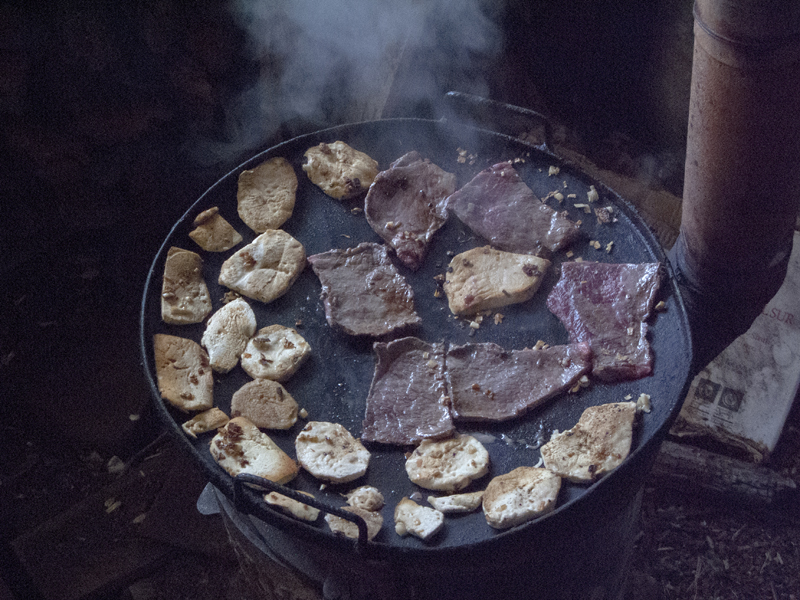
[
  {"x": 330, "y": 453},
  {"x": 339, "y": 170},
  {"x": 421, "y": 521},
  {"x": 240, "y": 447},
  {"x": 184, "y": 374},
  {"x": 266, "y": 404},
  {"x": 292, "y": 507},
  {"x": 447, "y": 465},
  {"x": 265, "y": 268},
  {"x": 486, "y": 278},
  {"x": 184, "y": 294},
  {"x": 366, "y": 497},
  {"x": 275, "y": 352},
  {"x": 266, "y": 194},
  {"x": 213, "y": 233},
  {"x": 338, "y": 525},
  {"x": 520, "y": 496},
  {"x": 457, "y": 503},
  {"x": 227, "y": 333},
  {"x": 206, "y": 421},
  {"x": 596, "y": 445}
]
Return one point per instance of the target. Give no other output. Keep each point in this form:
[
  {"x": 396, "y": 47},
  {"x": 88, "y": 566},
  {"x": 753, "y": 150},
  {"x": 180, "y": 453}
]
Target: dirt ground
[{"x": 694, "y": 545}]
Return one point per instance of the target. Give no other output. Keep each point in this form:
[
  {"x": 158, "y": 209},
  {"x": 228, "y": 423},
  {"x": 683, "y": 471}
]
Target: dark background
[{"x": 118, "y": 115}]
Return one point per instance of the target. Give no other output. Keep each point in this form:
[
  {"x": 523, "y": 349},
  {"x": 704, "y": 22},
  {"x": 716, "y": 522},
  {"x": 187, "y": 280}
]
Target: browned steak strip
[
  {"x": 407, "y": 400},
  {"x": 498, "y": 206},
  {"x": 362, "y": 291},
  {"x": 489, "y": 383},
  {"x": 606, "y": 305},
  {"x": 405, "y": 205}
]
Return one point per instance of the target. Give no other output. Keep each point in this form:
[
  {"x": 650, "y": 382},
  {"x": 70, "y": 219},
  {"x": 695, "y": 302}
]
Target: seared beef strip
[
  {"x": 405, "y": 205},
  {"x": 606, "y": 305},
  {"x": 489, "y": 383},
  {"x": 407, "y": 400},
  {"x": 498, "y": 206},
  {"x": 362, "y": 291}
]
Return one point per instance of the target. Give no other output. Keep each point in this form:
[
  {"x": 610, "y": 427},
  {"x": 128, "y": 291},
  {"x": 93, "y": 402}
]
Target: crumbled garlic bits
[
  {"x": 596, "y": 445},
  {"x": 206, "y": 421},
  {"x": 292, "y": 507},
  {"x": 420, "y": 521},
  {"x": 643, "y": 403}
]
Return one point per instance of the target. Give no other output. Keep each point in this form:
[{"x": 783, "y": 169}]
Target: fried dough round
[
  {"x": 275, "y": 352},
  {"x": 266, "y": 404},
  {"x": 448, "y": 465},
  {"x": 266, "y": 194},
  {"x": 265, "y": 268},
  {"x": 339, "y": 170},
  {"x": 520, "y": 496},
  {"x": 227, "y": 333},
  {"x": 330, "y": 453}
]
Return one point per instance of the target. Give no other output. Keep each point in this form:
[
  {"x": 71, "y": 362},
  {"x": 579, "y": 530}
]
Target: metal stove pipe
[{"x": 742, "y": 178}]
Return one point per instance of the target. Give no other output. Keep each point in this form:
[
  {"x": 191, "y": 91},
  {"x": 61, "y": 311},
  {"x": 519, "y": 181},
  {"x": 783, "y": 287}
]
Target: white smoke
[{"x": 325, "y": 62}]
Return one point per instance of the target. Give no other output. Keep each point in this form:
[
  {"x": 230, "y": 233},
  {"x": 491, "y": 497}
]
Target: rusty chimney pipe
[{"x": 742, "y": 176}]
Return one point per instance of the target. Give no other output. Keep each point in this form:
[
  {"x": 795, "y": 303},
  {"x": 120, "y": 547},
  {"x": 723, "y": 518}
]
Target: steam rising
[{"x": 325, "y": 62}]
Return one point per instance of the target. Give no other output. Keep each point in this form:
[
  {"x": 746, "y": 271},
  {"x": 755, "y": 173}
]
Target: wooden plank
[
  {"x": 685, "y": 467},
  {"x": 95, "y": 547}
]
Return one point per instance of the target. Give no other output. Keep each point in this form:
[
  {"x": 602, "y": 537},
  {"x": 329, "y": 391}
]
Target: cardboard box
[{"x": 742, "y": 398}]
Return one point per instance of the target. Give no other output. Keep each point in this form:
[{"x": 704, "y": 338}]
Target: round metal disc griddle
[{"x": 333, "y": 384}]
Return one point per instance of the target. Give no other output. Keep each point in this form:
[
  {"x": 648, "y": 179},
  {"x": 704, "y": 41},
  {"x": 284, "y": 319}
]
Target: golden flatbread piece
[
  {"x": 596, "y": 445},
  {"x": 265, "y": 268},
  {"x": 275, "y": 352},
  {"x": 266, "y": 404},
  {"x": 213, "y": 233},
  {"x": 184, "y": 374},
  {"x": 240, "y": 447},
  {"x": 339, "y": 170},
  {"x": 521, "y": 495},
  {"x": 266, "y": 194},
  {"x": 184, "y": 294},
  {"x": 373, "y": 520},
  {"x": 292, "y": 507},
  {"x": 206, "y": 421},
  {"x": 486, "y": 278},
  {"x": 447, "y": 465},
  {"x": 227, "y": 333}
]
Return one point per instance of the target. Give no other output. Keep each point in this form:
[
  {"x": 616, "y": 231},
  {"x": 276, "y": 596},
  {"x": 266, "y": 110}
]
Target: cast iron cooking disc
[{"x": 333, "y": 384}]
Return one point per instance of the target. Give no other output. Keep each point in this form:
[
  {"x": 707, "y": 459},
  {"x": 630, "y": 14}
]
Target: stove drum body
[{"x": 584, "y": 552}]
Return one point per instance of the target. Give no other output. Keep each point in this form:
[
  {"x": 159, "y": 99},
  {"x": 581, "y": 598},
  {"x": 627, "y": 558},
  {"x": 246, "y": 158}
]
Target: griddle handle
[
  {"x": 524, "y": 124},
  {"x": 259, "y": 482}
]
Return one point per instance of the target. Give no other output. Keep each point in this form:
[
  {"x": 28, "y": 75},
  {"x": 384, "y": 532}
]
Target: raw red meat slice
[
  {"x": 405, "y": 205},
  {"x": 489, "y": 383},
  {"x": 362, "y": 291},
  {"x": 498, "y": 206},
  {"x": 407, "y": 400},
  {"x": 606, "y": 305}
]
